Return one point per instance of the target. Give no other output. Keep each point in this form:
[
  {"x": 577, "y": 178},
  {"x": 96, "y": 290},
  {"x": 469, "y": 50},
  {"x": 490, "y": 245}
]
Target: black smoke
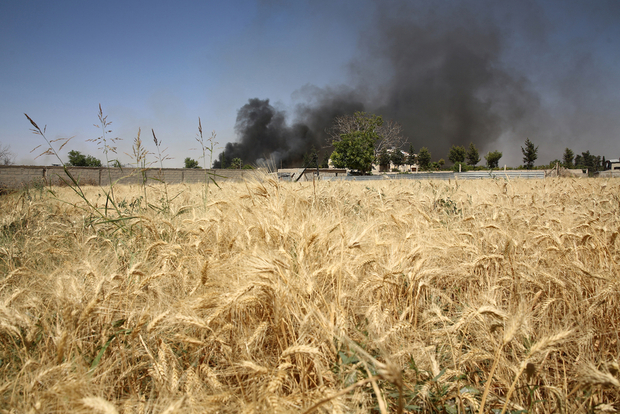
[
  {"x": 448, "y": 84},
  {"x": 264, "y": 133},
  {"x": 439, "y": 72}
]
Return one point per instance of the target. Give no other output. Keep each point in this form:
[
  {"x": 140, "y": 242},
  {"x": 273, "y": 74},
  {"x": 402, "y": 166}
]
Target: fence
[
  {"x": 16, "y": 176},
  {"x": 470, "y": 175}
]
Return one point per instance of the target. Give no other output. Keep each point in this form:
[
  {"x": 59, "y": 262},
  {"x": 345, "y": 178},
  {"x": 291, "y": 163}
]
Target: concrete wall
[
  {"x": 609, "y": 174},
  {"x": 309, "y": 174},
  {"x": 16, "y": 176}
]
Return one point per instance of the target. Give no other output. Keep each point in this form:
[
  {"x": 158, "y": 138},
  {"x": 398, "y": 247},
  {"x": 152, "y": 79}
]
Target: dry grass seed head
[
  {"x": 588, "y": 374},
  {"x": 99, "y": 405}
]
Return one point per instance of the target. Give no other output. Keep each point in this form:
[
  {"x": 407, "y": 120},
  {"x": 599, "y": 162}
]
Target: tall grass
[
  {"x": 96, "y": 215},
  {"x": 107, "y": 146},
  {"x": 206, "y": 145},
  {"x": 118, "y": 212},
  {"x": 345, "y": 297}
]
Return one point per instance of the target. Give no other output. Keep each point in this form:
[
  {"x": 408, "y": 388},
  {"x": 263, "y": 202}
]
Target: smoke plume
[
  {"x": 264, "y": 133},
  {"x": 448, "y": 84},
  {"x": 440, "y": 73}
]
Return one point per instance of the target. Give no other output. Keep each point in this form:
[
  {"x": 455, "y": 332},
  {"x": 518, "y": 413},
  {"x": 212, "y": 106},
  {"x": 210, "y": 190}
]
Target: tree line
[
  {"x": 361, "y": 140},
  {"x": 358, "y": 142},
  {"x": 585, "y": 161}
]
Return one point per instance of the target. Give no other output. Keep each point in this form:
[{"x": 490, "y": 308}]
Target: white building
[{"x": 613, "y": 164}]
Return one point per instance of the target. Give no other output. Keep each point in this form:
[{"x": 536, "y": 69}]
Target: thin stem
[
  {"x": 343, "y": 392},
  {"x": 487, "y": 386}
]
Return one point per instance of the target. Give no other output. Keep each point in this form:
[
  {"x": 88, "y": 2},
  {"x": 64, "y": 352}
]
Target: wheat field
[{"x": 325, "y": 297}]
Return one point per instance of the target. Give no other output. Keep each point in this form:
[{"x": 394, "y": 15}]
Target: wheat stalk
[{"x": 99, "y": 405}]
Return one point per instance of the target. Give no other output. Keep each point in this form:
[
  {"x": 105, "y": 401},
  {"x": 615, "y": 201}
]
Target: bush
[
  {"x": 191, "y": 163},
  {"x": 77, "y": 159}
]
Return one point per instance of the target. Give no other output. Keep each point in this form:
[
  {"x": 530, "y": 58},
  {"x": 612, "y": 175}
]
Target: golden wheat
[{"x": 336, "y": 297}]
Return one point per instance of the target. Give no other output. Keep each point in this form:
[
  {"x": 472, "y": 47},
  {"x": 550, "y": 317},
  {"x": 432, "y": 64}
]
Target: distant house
[{"x": 613, "y": 164}]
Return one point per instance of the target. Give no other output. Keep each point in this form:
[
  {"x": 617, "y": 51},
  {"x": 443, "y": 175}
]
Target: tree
[
  {"x": 6, "y": 156},
  {"x": 578, "y": 161},
  {"x": 389, "y": 133},
  {"x": 92, "y": 161},
  {"x": 456, "y": 154},
  {"x": 355, "y": 150},
  {"x": 384, "y": 160},
  {"x": 530, "y": 153},
  {"x": 77, "y": 159},
  {"x": 473, "y": 157},
  {"x": 437, "y": 165},
  {"x": 221, "y": 163},
  {"x": 236, "y": 164},
  {"x": 424, "y": 158},
  {"x": 411, "y": 158},
  {"x": 190, "y": 163},
  {"x": 589, "y": 161},
  {"x": 397, "y": 158},
  {"x": 493, "y": 158},
  {"x": 568, "y": 158},
  {"x": 311, "y": 158}
]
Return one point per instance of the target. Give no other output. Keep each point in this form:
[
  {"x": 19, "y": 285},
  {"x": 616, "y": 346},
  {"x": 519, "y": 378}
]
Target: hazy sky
[{"x": 451, "y": 72}]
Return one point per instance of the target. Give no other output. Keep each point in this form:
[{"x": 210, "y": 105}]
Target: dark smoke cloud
[
  {"x": 447, "y": 84},
  {"x": 262, "y": 131},
  {"x": 265, "y": 135},
  {"x": 448, "y": 72}
]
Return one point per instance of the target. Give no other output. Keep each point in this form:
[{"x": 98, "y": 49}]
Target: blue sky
[{"x": 161, "y": 65}]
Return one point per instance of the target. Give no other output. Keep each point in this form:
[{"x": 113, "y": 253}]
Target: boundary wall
[
  {"x": 472, "y": 175},
  {"x": 16, "y": 176}
]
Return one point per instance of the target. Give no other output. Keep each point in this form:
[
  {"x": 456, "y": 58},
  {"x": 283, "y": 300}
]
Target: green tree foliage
[
  {"x": 397, "y": 158},
  {"x": 190, "y": 163},
  {"x": 311, "y": 158},
  {"x": 77, "y": 159},
  {"x": 530, "y": 154},
  {"x": 493, "y": 158},
  {"x": 356, "y": 149},
  {"x": 588, "y": 161},
  {"x": 221, "y": 163},
  {"x": 411, "y": 158},
  {"x": 457, "y": 154},
  {"x": 384, "y": 159},
  {"x": 437, "y": 165},
  {"x": 424, "y": 159},
  {"x": 567, "y": 160},
  {"x": 236, "y": 164},
  {"x": 473, "y": 157}
]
